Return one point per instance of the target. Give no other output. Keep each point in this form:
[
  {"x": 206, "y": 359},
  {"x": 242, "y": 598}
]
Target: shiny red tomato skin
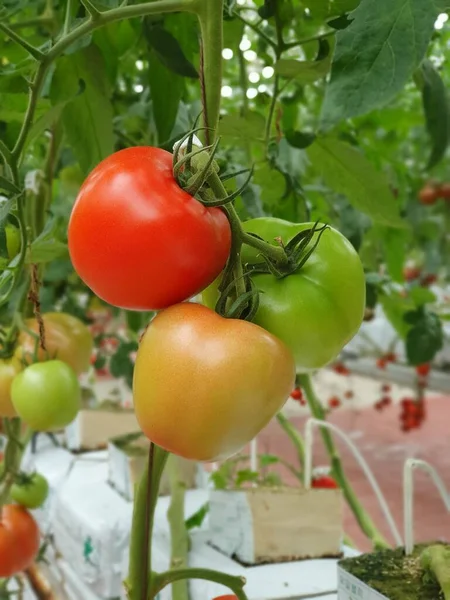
[{"x": 138, "y": 240}]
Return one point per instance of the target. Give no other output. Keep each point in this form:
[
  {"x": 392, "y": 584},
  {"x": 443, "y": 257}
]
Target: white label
[{"x": 352, "y": 588}]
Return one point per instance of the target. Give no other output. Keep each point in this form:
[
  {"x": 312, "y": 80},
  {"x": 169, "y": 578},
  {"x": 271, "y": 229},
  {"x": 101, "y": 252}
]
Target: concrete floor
[{"x": 385, "y": 447}]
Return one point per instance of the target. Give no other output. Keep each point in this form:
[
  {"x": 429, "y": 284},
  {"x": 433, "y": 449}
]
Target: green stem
[
  {"x": 35, "y": 53},
  {"x": 313, "y": 38},
  {"x": 138, "y": 583},
  {"x": 294, "y": 436},
  {"x": 210, "y": 15},
  {"x": 363, "y": 519},
  {"x": 256, "y": 29},
  {"x": 179, "y": 538},
  {"x": 236, "y": 584},
  {"x": 12, "y": 456}
]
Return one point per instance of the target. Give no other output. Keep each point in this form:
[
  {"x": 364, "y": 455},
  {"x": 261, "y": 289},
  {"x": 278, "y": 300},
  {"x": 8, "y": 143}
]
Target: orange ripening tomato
[
  {"x": 9, "y": 368},
  {"x": 19, "y": 540},
  {"x": 204, "y": 386},
  {"x": 66, "y": 338},
  {"x": 226, "y": 597},
  {"x": 138, "y": 240}
]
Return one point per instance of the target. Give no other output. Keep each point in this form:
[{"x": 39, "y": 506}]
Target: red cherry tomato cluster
[
  {"x": 414, "y": 273},
  {"x": 298, "y": 396},
  {"x": 432, "y": 191},
  {"x": 341, "y": 369},
  {"x": 385, "y": 397},
  {"x": 324, "y": 482},
  {"x": 334, "y": 402},
  {"x": 413, "y": 413},
  {"x": 383, "y": 361}
]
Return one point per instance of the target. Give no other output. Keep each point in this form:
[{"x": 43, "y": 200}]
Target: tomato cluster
[
  {"x": 40, "y": 385},
  {"x": 141, "y": 242},
  {"x": 412, "y": 414},
  {"x": 383, "y": 361},
  {"x": 385, "y": 399},
  {"x": 432, "y": 191}
]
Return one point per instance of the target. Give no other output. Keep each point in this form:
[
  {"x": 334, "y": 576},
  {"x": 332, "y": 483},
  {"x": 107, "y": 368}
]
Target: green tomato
[
  {"x": 46, "y": 395},
  {"x": 318, "y": 309},
  {"x": 32, "y": 492}
]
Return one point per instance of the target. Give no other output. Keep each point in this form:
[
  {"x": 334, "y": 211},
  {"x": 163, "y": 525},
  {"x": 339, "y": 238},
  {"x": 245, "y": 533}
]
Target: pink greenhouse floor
[{"x": 386, "y": 447}]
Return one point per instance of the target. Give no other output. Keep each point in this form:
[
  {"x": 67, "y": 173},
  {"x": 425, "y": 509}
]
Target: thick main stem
[
  {"x": 210, "y": 15},
  {"x": 146, "y": 496},
  {"x": 179, "y": 539},
  {"x": 363, "y": 519}
]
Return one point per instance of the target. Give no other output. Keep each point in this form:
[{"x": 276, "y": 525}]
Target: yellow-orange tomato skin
[
  {"x": 204, "y": 386},
  {"x": 9, "y": 368},
  {"x": 66, "y": 338}
]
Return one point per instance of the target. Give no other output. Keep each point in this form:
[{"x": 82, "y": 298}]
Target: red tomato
[
  {"x": 423, "y": 370},
  {"x": 428, "y": 195},
  {"x": 324, "y": 481},
  {"x": 349, "y": 394},
  {"x": 381, "y": 363},
  {"x": 138, "y": 240},
  {"x": 19, "y": 540},
  {"x": 444, "y": 191},
  {"x": 411, "y": 273},
  {"x": 428, "y": 279},
  {"x": 226, "y": 597}
]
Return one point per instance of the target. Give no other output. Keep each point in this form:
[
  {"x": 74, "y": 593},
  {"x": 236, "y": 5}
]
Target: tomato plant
[
  {"x": 30, "y": 491},
  {"x": 9, "y": 368},
  {"x": 227, "y": 377},
  {"x": 311, "y": 310},
  {"x": 140, "y": 241},
  {"x": 46, "y": 395},
  {"x": 66, "y": 338},
  {"x": 19, "y": 540}
]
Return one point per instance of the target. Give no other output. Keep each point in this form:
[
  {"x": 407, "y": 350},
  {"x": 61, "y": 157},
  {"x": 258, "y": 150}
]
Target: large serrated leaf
[
  {"x": 437, "y": 112},
  {"x": 169, "y": 51},
  {"x": 250, "y": 127},
  {"x": 376, "y": 55},
  {"x": 347, "y": 171},
  {"x": 87, "y": 116}
]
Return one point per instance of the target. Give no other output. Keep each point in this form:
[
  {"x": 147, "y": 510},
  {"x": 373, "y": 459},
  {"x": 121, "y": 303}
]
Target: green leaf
[
  {"x": 424, "y": 339},
  {"x": 421, "y": 296},
  {"x": 46, "y": 247},
  {"x": 437, "y": 112},
  {"x": 121, "y": 364},
  {"x": 8, "y": 186},
  {"x": 394, "y": 246},
  {"x": 232, "y": 33},
  {"x": 87, "y": 117},
  {"x": 166, "y": 92},
  {"x": 4, "y": 256},
  {"x": 395, "y": 308},
  {"x": 376, "y": 55},
  {"x": 198, "y": 517},
  {"x": 346, "y": 171},
  {"x": 304, "y": 71},
  {"x": 268, "y": 459},
  {"x": 246, "y": 476},
  {"x": 250, "y": 127},
  {"x": 219, "y": 480},
  {"x": 169, "y": 51},
  {"x": 272, "y": 184},
  {"x": 299, "y": 139},
  {"x": 5, "y": 207}
]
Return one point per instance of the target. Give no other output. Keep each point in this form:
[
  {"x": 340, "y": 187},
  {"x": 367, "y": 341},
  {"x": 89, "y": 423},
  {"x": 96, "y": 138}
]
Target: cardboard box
[
  {"x": 261, "y": 525},
  {"x": 94, "y": 427},
  {"x": 128, "y": 458}
]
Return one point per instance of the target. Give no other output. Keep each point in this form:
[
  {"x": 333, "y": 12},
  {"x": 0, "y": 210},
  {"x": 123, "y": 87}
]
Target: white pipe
[
  {"x": 408, "y": 496},
  {"x": 310, "y": 423}
]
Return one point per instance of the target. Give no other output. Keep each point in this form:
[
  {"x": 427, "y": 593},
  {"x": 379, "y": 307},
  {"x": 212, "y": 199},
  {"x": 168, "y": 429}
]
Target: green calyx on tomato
[
  {"x": 317, "y": 309},
  {"x": 227, "y": 378},
  {"x": 30, "y": 491},
  {"x": 46, "y": 395},
  {"x": 138, "y": 240}
]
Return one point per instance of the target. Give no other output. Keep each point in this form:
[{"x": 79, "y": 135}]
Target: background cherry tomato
[
  {"x": 31, "y": 492},
  {"x": 138, "y": 240},
  {"x": 324, "y": 482},
  {"x": 227, "y": 597},
  {"x": 225, "y": 378},
  {"x": 428, "y": 195},
  {"x": 8, "y": 370},
  {"x": 66, "y": 338},
  {"x": 19, "y": 540},
  {"x": 46, "y": 395}
]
